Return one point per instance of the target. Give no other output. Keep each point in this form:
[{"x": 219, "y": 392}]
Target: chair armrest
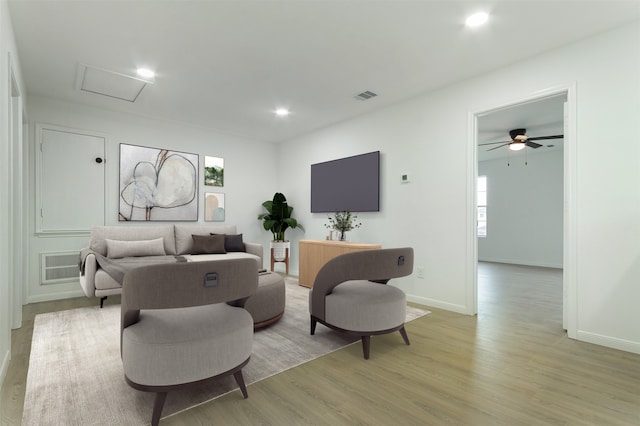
[
  {"x": 88, "y": 279},
  {"x": 256, "y": 249}
]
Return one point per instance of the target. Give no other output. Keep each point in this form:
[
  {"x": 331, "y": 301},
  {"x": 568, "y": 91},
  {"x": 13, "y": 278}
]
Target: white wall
[
  {"x": 524, "y": 210},
  {"x": 7, "y": 47},
  {"x": 428, "y": 137},
  {"x": 249, "y": 176}
]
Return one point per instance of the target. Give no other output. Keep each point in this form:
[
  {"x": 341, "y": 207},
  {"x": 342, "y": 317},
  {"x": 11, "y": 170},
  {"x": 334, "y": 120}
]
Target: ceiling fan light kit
[
  {"x": 520, "y": 140},
  {"x": 516, "y": 145}
]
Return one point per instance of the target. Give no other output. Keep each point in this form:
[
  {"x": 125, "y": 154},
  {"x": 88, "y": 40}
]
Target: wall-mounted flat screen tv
[{"x": 351, "y": 183}]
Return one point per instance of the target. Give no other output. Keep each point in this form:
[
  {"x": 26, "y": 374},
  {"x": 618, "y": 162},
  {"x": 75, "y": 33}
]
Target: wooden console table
[{"x": 315, "y": 253}]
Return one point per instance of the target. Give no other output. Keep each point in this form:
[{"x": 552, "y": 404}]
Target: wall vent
[
  {"x": 365, "y": 95},
  {"x": 59, "y": 267}
]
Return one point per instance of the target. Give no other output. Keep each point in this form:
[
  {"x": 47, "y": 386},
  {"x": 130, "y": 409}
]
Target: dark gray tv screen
[{"x": 351, "y": 183}]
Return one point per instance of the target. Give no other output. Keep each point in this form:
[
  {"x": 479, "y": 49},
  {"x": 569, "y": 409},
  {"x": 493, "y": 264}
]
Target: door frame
[
  {"x": 570, "y": 307},
  {"x": 17, "y": 189}
]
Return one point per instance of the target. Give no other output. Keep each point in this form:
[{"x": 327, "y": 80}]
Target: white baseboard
[
  {"x": 58, "y": 295},
  {"x": 609, "y": 342},
  {"x": 521, "y": 262},
  {"x": 460, "y": 309},
  {"x": 5, "y": 366}
]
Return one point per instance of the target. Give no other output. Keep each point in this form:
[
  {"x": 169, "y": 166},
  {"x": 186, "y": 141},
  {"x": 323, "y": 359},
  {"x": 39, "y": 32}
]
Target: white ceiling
[
  {"x": 227, "y": 65},
  {"x": 539, "y": 118}
]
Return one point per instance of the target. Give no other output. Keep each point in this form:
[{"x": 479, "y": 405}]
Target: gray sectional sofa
[{"x": 113, "y": 250}]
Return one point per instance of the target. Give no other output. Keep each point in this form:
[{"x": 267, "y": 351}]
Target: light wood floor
[{"x": 510, "y": 365}]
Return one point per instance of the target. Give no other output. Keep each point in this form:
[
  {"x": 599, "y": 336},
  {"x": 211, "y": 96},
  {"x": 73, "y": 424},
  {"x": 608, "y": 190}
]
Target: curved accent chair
[
  {"x": 350, "y": 294},
  {"x": 176, "y": 329}
]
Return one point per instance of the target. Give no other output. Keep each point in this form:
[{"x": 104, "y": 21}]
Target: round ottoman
[{"x": 266, "y": 306}]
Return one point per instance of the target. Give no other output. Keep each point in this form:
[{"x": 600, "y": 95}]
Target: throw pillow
[
  {"x": 208, "y": 244},
  {"x": 118, "y": 248},
  {"x": 233, "y": 242}
]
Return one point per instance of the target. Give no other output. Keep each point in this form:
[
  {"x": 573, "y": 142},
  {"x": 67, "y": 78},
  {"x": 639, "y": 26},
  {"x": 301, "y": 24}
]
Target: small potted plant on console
[{"x": 342, "y": 222}]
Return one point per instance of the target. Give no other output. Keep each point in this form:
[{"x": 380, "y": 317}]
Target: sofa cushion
[
  {"x": 232, "y": 255},
  {"x": 208, "y": 244},
  {"x": 99, "y": 235},
  {"x": 183, "y": 233},
  {"x": 104, "y": 281},
  {"x": 118, "y": 248}
]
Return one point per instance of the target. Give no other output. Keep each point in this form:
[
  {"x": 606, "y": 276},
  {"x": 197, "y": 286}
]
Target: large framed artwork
[
  {"x": 157, "y": 184},
  {"x": 214, "y": 207},
  {"x": 213, "y": 171}
]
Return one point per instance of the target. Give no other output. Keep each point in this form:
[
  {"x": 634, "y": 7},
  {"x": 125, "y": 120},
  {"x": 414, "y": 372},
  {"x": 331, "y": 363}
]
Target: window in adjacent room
[{"x": 482, "y": 206}]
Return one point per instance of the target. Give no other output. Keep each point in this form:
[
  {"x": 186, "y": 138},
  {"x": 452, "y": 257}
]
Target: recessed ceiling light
[
  {"x": 145, "y": 73},
  {"x": 282, "y": 112},
  {"x": 477, "y": 19}
]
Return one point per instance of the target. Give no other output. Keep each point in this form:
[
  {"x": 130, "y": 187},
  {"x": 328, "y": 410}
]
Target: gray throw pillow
[
  {"x": 208, "y": 244},
  {"x": 233, "y": 242}
]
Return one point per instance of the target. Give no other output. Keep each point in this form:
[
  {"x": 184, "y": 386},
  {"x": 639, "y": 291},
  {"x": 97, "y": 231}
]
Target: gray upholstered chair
[
  {"x": 176, "y": 329},
  {"x": 350, "y": 294}
]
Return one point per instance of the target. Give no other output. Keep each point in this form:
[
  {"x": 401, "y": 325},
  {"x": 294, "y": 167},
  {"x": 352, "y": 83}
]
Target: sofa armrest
[
  {"x": 257, "y": 249},
  {"x": 88, "y": 279}
]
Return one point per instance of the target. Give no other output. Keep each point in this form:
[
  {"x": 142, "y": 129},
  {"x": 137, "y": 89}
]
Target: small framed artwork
[
  {"x": 214, "y": 207},
  {"x": 213, "y": 171}
]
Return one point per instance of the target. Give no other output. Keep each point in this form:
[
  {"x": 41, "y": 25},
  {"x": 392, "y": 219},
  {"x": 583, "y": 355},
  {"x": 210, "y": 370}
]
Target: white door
[{"x": 71, "y": 180}]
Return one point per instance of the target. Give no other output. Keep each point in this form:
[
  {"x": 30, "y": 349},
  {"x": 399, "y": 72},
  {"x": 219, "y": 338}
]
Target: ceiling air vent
[
  {"x": 365, "y": 95},
  {"x": 109, "y": 83}
]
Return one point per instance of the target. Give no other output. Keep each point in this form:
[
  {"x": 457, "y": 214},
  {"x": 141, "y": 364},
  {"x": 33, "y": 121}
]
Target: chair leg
[
  {"x": 403, "y": 333},
  {"x": 240, "y": 382},
  {"x": 102, "y": 299},
  {"x": 157, "y": 408},
  {"x": 313, "y": 326},
  {"x": 366, "y": 344}
]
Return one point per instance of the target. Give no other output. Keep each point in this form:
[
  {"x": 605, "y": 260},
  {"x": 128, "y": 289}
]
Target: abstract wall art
[
  {"x": 213, "y": 207},
  {"x": 213, "y": 171},
  {"x": 157, "y": 184}
]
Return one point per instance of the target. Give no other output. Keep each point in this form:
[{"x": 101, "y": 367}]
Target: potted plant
[
  {"x": 277, "y": 220},
  {"x": 343, "y": 222}
]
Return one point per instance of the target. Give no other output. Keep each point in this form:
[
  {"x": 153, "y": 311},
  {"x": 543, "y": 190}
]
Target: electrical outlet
[{"x": 420, "y": 271}]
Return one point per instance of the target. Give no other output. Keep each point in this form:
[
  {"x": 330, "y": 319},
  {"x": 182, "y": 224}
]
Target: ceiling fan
[{"x": 519, "y": 140}]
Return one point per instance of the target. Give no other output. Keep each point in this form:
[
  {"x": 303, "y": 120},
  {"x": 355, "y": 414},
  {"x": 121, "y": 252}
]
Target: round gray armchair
[
  {"x": 176, "y": 329},
  {"x": 350, "y": 294}
]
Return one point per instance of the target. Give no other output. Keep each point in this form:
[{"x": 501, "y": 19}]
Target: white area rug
[{"x": 75, "y": 372}]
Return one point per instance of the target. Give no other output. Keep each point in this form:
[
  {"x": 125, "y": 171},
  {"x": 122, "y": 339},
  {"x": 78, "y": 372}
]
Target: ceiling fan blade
[
  {"x": 493, "y": 143},
  {"x": 539, "y": 138},
  {"x": 498, "y": 146},
  {"x": 532, "y": 144}
]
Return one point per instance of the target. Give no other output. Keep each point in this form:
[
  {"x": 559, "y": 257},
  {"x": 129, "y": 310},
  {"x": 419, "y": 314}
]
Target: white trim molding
[{"x": 570, "y": 307}]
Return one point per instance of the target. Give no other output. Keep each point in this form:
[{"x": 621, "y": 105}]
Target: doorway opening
[{"x": 525, "y": 220}]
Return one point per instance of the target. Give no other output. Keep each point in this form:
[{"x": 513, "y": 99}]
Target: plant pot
[{"x": 280, "y": 250}]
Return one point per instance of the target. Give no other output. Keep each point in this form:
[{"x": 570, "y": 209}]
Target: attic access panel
[{"x": 109, "y": 83}]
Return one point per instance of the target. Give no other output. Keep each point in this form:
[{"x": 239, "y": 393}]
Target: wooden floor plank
[{"x": 512, "y": 364}]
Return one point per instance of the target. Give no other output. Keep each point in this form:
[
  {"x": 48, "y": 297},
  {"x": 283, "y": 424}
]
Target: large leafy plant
[{"x": 278, "y": 218}]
